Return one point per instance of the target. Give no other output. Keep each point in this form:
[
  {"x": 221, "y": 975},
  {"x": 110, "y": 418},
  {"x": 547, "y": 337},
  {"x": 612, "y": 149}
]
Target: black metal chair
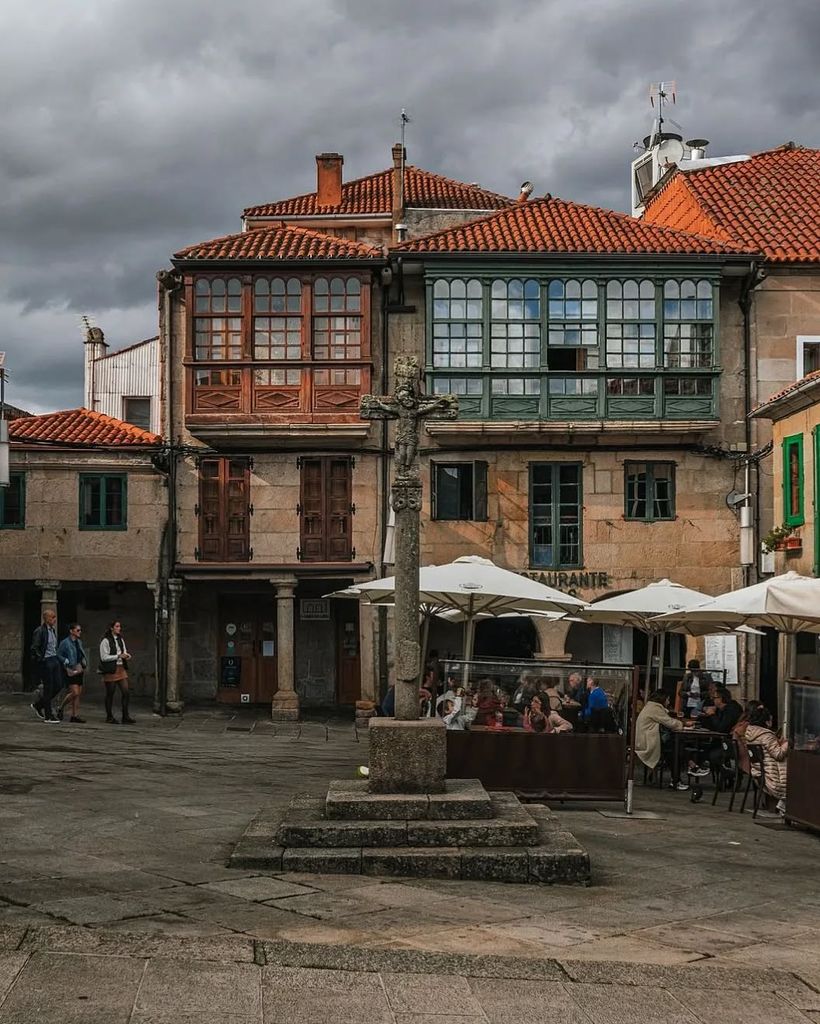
[
  {"x": 726, "y": 773},
  {"x": 758, "y": 779}
]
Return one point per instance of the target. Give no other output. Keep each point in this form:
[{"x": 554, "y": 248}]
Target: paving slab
[
  {"x": 718, "y": 1007},
  {"x": 10, "y": 966},
  {"x": 703, "y": 975},
  {"x": 71, "y": 989},
  {"x": 430, "y": 994},
  {"x": 200, "y": 987},
  {"x": 94, "y": 909},
  {"x": 258, "y": 888},
  {"x": 230, "y": 948},
  {"x": 315, "y": 996},
  {"x": 620, "y": 1004},
  {"x": 526, "y": 1002},
  {"x": 11, "y": 936}
]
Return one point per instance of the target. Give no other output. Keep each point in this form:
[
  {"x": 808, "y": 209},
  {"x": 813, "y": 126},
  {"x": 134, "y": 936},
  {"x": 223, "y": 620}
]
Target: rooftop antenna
[
  {"x": 404, "y": 120},
  {"x": 659, "y": 94}
]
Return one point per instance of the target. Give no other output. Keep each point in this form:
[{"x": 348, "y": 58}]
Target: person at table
[
  {"x": 487, "y": 704},
  {"x": 692, "y": 690},
  {"x": 653, "y": 734},
  {"x": 524, "y": 691},
  {"x": 759, "y": 732},
  {"x": 596, "y": 710},
  {"x": 576, "y": 689},
  {"x": 539, "y": 707},
  {"x": 724, "y": 714}
]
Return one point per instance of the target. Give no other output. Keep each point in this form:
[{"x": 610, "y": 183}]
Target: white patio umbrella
[
  {"x": 473, "y": 585},
  {"x": 640, "y": 609},
  {"x": 789, "y": 603}
]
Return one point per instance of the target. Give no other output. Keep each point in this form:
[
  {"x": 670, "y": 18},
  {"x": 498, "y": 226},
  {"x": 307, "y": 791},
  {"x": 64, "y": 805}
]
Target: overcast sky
[{"x": 131, "y": 129}]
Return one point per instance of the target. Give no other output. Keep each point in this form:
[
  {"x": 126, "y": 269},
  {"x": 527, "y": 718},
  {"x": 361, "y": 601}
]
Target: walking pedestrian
[
  {"x": 44, "y": 653},
  {"x": 74, "y": 662},
  {"x": 114, "y": 657}
]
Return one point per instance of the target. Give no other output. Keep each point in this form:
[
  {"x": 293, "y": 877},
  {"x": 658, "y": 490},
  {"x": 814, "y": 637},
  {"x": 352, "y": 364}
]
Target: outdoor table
[{"x": 699, "y": 737}]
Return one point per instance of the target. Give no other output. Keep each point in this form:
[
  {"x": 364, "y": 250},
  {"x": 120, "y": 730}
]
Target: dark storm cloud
[{"x": 131, "y": 130}]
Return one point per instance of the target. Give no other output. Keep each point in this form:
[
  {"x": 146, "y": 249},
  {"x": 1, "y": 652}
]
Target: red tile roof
[
  {"x": 279, "y": 242},
  {"x": 769, "y": 203},
  {"x": 555, "y": 226},
  {"x": 80, "y": 427},
  {"x": 806, "y": 383},
  {"x": 374, "y": 194}
]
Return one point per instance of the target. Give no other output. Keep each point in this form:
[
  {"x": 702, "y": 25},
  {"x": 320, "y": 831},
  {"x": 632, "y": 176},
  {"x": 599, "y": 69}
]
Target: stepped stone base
[{"x": 509, "y": 843}]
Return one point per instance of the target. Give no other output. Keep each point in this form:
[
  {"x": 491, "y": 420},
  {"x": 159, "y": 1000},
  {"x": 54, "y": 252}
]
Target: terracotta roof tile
[
  {"x": 809, "y": 380},
  {"x": 374, "y": 194},
  {"x": 80, "y": 427},
  {"x": 555, "y": 226},
  {"x": 280, "y": 242},
  {"x": 769, "y": 203}
]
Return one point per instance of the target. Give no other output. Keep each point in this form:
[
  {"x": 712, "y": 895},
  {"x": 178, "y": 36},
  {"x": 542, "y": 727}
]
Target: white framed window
[{"x": 808, "y": 354}]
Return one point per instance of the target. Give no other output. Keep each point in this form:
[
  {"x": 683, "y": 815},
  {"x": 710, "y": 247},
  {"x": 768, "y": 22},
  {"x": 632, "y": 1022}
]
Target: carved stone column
[
  {"x": 48, "y": 595},
  {"x": 285, "y": 703},
  {"x": 172, "y": 698}
]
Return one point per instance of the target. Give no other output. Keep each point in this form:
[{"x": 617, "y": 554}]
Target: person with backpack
[
  {"x": 114, "y": 657},
  {"x": 74, "y": 663},
  {"x": 44, "y": 655}
]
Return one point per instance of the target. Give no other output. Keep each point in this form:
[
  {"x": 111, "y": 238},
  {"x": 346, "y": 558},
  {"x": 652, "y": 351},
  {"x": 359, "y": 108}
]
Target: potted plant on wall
[{"x": 781, "y": 538}]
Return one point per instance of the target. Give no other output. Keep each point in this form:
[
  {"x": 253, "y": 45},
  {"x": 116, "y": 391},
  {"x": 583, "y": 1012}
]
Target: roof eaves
[{"x": 800, "y": 395}]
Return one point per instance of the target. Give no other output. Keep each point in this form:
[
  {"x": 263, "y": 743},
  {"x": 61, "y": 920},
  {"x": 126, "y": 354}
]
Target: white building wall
[{"x": 132, "y": 372}]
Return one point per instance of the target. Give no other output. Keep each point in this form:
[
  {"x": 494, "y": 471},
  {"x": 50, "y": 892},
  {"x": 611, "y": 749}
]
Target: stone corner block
[{"x": 407, "y": 757}]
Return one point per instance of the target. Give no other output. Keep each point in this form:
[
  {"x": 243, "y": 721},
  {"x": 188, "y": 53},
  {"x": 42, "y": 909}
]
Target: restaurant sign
[{"x": 570, "y": 582}]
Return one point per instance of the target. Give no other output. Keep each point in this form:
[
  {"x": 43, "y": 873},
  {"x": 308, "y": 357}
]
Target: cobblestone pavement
[{"x": 115, "y": 904}]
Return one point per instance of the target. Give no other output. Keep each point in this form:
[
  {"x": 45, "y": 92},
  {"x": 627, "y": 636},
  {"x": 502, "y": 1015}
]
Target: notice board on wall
[{"x": 721, "y": 655}]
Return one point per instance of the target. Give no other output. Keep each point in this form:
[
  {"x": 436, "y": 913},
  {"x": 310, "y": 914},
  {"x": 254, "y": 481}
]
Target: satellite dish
[{"x": 670, "y": 151}]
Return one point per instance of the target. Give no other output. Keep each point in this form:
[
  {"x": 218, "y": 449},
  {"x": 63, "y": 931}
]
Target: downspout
[
  {"x": 168, "y": 282},
  {"x": 750, "y": 282}
]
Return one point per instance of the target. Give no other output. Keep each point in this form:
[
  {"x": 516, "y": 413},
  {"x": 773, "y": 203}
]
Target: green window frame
[
  {"x": 793, "y": 476},
  {"x": 103, "y": 501},
  {"x": 13, "y": 503},
  {"x": 556, "y": 505},
  {"x": 458, "y": 491},
  {"x": 816, "y": 437},
  {"x": 649, "y": 491}
]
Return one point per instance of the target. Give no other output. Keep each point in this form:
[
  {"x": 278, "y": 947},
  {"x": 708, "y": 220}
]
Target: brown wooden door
[
  {"x": 224, "y": 503},
  {"x": 247, "y": 649},
  {"x": 348, "y": 660},
  {"x": 326, "y": 509}
]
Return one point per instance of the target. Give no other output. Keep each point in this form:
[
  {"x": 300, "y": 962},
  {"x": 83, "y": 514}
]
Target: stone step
[
  {"x": 305, "y": 825},
  {"x": 352, "y": 801}
]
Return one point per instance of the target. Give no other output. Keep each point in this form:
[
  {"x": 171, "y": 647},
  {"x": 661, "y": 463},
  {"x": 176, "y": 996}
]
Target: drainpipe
[{"x": 750, "y": 282}]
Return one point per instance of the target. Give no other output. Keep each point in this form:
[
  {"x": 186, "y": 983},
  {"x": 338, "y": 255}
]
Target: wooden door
[
  {"x": 326, "y": 510},
  {"x": 247, "y": 649},
  {"x": 224, "y": 502},
  {"x": 348, "y": 659}
]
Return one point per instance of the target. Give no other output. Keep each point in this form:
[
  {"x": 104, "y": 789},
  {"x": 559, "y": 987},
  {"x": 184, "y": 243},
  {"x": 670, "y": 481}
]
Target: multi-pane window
[
  {"x": 687, "y": 331},
  {"x": 277, "y": 321},
  {"x": 337, "y": 376},
  {"x": 793, "y": 480},
  {"x": 217, "y": 378},
  {"x": 516, "y": 386},
  {"x": 459, "y": 491},
  {"x": 457, "y": 324},
  {"x": 573, "y": 386},
  {"x": 573, "y": 313},
  {"x": 102, "y": 501},
  {"x": 555, "y": 514},
  {"x": 515, "y": 327},
  {"x": 688, "y": 386},
  {"x": 457, "y": 386},
  {"x": 13, "y": 503},
  {"x": 218, "y": 318},
  {"x": 630, "y": 386},
  {"x": 630, "y": 324},
  {"x": 649, "y": 489},
  {"x": 277, "y": 377},
  {"x": 337, "y": 319}
]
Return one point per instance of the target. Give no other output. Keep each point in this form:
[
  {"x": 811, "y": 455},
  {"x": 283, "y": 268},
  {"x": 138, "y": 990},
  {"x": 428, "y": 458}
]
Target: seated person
[
  {"x": 524, "y": 691},
  {"x": 649, "y": 742},
  {"x": 576, "y": 689},
  {"x": 724, "y": 714},
  {"x": 555, "y": 699},
  {"x": 538, "y": 708},
  {"x": 692, "y": 690},
  {"x": 759, "y": 732},
  {"x": 597, "y": 714},
  {"x": 488, "y": 703},
  {"x": 539, "y": 722},
  {"x": 452, "y": 714}
]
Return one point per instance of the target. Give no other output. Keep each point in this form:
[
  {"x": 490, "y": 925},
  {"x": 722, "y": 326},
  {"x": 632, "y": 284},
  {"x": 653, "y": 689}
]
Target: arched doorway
[{"x": 505, "y": 638}]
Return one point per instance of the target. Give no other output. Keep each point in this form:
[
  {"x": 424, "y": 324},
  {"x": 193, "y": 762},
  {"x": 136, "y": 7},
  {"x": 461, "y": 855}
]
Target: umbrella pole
[
  {"x": 469, "y": 636},
  {"x": 633, "y": 717},
  {"x": 661, "y": 653}
]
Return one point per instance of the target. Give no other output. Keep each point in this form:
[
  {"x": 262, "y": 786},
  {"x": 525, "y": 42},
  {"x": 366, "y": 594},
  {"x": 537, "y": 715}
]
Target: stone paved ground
[{"x": 115, "y": 904}]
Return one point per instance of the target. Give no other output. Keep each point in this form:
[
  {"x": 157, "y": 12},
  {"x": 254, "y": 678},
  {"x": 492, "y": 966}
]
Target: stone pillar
[
  {"x": 552, "y": 638},
  {"x": 159, "y": 612},
  {"x": 173, "y": 701},
  {"x": 368, "y": 651},
  {"x": 285, "y": 704},
  {"x": 48, "y": 595}
]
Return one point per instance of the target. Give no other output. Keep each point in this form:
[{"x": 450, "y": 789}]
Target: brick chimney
[
  {"x": 329, "y": 178},
  {"x": 399, "y": 198}
]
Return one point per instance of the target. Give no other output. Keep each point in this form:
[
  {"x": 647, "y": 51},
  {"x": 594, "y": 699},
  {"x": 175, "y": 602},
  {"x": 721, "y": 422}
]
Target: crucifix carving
[{"x": 409, "y": 408}]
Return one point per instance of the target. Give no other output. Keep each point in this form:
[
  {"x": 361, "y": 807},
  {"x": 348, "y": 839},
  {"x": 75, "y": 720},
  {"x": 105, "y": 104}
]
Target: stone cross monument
[{"x": 409, "y": 407}]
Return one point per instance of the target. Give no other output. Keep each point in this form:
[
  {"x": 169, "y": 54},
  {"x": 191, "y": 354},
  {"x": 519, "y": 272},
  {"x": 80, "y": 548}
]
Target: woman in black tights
[{"x": 114, "y": 657}]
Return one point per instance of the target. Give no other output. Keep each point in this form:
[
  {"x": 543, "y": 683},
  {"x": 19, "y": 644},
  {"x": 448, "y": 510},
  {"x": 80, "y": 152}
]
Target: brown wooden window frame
[
  {"x": 222, "y": 546},
  {"x": 323, "y": 545},
  {"x": 218, "y": 313}
]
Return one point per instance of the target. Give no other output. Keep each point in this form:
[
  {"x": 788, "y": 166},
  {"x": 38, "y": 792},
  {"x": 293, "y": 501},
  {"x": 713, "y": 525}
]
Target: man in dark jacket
[
  {"x": 721, "y": 718},
  {"x": 44, "y": 655}
]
